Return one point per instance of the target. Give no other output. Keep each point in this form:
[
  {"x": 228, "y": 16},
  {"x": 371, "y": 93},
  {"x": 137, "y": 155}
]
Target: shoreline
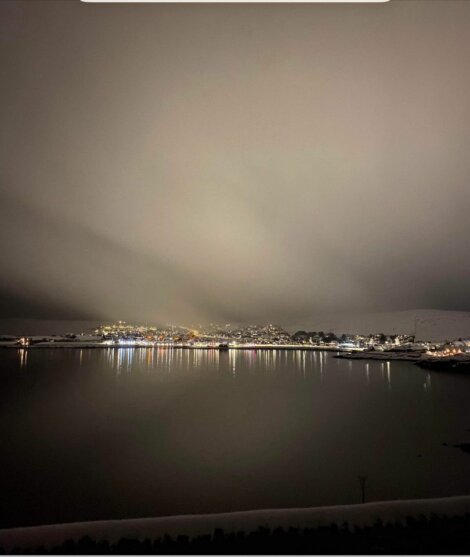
[
  {"x": 75, "y": 346},
  {"x": 356, "y": 515}
]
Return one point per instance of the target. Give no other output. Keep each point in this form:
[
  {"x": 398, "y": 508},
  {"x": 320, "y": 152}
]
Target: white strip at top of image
[{"x": 236, "y": 1}]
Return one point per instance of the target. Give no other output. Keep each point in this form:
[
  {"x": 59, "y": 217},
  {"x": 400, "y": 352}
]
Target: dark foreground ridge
[{"x": 436, "y": 535}]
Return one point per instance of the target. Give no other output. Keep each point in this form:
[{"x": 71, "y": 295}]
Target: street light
[{"x": 362, "y": 481}]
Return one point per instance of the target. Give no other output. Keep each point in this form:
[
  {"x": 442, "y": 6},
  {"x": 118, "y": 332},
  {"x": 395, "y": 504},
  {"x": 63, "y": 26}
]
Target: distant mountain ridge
[{"x": 425, "y": 324}]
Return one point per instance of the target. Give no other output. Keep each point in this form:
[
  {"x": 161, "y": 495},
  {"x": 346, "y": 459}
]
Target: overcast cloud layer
[{"x": 233, "y": 162}]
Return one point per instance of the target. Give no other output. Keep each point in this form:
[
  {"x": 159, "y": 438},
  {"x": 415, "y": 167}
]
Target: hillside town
[{"x": 375, "y": 346}]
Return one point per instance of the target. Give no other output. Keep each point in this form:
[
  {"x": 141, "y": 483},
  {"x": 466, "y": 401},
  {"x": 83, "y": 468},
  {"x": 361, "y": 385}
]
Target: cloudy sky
[{"x": 233, "y": 162}]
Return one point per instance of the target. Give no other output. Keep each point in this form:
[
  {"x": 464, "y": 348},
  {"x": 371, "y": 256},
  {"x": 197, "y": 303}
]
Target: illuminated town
[{"x": 377, "y": 346}]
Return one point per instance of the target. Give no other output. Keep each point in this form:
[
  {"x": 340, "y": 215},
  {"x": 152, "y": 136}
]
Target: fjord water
[{"x": 115, "y": 433}]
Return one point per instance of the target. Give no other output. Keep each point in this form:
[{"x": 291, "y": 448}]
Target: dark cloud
[{"x": 233, "y": 162}]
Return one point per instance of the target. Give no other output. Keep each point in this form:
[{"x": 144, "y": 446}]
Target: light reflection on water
[
  {"x": 108, "y": 433},
  {"x": 164, "y": 359},
  {"x": 305, "y": 363},
  {"x": 428, "y": 383},
  {"x": 23, "y": 356}
]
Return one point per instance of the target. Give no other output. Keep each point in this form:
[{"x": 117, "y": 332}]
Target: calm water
[{"x": 90, "y": 434}]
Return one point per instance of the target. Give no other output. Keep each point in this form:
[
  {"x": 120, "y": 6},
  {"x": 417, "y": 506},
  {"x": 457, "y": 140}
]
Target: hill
[{"x": 435, "y": 325}]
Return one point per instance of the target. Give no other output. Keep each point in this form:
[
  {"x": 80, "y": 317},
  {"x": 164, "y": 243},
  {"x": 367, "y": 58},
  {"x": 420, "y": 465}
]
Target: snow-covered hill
[{"x": 425, "y": 324}]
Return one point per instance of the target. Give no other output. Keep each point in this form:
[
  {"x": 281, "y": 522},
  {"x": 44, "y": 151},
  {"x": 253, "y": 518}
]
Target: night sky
[{"x": 233, "y": 162}]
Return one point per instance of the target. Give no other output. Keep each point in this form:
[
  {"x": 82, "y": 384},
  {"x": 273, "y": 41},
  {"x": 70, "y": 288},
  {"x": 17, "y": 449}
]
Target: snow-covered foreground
[{"x": 247, "y": 521}]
